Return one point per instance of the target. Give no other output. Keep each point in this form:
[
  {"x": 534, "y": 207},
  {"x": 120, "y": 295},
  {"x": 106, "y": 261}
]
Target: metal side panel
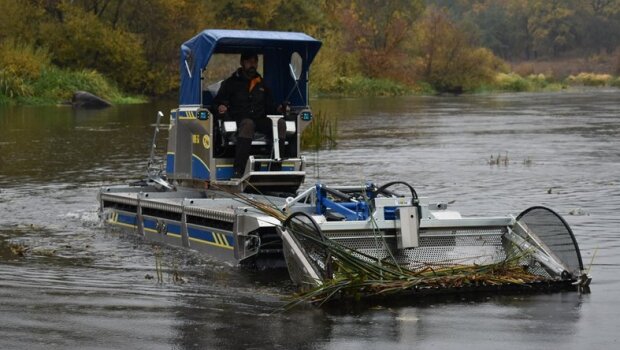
[
  {"x": 216, "y": 243},
  {"x": 249, "y": 229},
  {"x": 301, "y": 269},
  {"x": 175, "y": 221},
  {"x": 457, "y": 224}
]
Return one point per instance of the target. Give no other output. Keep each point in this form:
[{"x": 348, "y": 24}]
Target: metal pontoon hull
[
  {"x": 227, "y": 229},
  {"x": 174, "y": 221}
]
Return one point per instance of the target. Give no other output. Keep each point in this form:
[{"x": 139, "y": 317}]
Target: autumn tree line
[{"x": 370, "y": 47}]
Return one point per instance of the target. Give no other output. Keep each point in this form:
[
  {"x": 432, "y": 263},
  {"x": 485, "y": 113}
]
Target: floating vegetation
[
  {"x": 577, "y": 212},
  {"x": 499, "y": 160},
  {"x": 321, "y": 133},
  {"x": 19, "y": 249},
  {"x": 22, "y": 249},
  {"x": 176, "y": 276},
  {"x": 354, "y": 275},
  {"x": 49, "y": 252}
]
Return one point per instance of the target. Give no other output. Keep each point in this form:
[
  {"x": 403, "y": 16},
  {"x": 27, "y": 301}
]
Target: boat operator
[{"x": 245, "y": 98}]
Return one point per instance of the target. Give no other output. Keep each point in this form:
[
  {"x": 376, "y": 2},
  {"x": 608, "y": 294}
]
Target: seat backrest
[{"x": 209, "y": 93}]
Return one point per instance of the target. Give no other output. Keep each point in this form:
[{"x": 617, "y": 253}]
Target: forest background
[{"x": 120, "y": 48}]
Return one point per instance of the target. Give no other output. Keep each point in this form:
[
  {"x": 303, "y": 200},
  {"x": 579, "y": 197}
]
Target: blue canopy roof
[{"x": 276, "y": 48}]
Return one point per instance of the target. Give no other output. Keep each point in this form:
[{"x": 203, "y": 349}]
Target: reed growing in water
[{"x": 321, "y": 133}]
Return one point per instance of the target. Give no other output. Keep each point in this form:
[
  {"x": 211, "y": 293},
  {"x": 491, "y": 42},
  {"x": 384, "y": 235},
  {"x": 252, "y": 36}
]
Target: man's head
[{"x": 249, "y": 63}]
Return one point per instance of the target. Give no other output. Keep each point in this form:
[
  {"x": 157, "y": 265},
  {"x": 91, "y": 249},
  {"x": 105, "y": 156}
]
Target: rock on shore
[{"x": 84, "y": 99}]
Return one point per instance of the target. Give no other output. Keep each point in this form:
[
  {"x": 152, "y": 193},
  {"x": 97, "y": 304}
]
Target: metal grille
[
  {"x": 361, "y": 240},
  {"x": 534, "y": 267},
  {"x": 438, "y": 247},
  {"x": 546, "y": 226}
]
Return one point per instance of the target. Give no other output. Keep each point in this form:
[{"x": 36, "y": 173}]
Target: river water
[{"x": 82, "y": 286}]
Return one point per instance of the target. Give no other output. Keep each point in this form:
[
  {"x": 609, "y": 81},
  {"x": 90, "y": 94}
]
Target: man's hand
[
  {"x": 283, "y": 108},
  {"x": 221, "y": 109}
]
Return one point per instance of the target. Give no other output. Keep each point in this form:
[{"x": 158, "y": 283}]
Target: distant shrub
[
  {"x": 448, "y": 58},
  {"x": 512, "y": 82},
  {"x": 616, "y": 82},
  {"x": 331, "y": 64},
  {"x": 24, "y": 61},
  {"x": 539, "y": 80},
  {"x": 422, "y": 87},
  {"x": 524, "y": 68},
  {"x": 20, "y": 19},
  {"x": 590, "y": 79},
  {"x": 82, "y": 41},
  {"x": 533, "y": 82},
  {"x": 357, "y": 86}
]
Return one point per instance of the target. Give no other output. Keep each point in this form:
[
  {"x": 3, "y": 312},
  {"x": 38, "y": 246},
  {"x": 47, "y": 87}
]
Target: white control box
[{"x": 407, "y": 236}]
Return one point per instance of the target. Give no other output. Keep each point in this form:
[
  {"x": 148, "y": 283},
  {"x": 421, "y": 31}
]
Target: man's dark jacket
[{"x": 242, "y": 103}]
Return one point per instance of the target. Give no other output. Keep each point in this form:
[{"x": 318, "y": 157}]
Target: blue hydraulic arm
[{"x": 351, "y": 209}]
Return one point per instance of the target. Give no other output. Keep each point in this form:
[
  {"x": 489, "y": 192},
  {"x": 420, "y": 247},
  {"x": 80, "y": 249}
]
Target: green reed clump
[
  {"x": 12, "y": 86},
  {"x": 512, "y": 82},
  {"x": 320, "y": 133}
]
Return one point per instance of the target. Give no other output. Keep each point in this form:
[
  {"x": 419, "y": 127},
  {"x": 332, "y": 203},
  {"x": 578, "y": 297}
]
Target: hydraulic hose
[
  {"x": 383, "y": 189},
  {"x": 309, "y": 217}
]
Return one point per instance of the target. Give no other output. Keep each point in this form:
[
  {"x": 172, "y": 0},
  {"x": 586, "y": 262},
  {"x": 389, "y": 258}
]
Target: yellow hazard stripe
[
  {"x": 198, "y": 240},
  {"x": 122, "y": 224},
  {"x": 188, "y": 115}
]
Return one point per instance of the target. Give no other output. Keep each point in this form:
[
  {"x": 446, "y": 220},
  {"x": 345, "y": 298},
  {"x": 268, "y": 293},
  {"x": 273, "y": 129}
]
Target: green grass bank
[
  {"x": 55, "y": 85},
  {"x": 28, "y": 77}
]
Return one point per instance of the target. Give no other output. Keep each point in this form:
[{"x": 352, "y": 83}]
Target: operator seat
[{"x": 225, "y": 131}]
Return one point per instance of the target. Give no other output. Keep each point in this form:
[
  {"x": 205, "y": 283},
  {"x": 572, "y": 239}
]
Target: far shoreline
[{"x": 362, "y": 87}]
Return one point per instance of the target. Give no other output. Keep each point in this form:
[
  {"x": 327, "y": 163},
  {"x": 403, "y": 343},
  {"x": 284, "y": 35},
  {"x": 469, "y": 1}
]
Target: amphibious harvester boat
[{"x": 194, "y": 202}]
